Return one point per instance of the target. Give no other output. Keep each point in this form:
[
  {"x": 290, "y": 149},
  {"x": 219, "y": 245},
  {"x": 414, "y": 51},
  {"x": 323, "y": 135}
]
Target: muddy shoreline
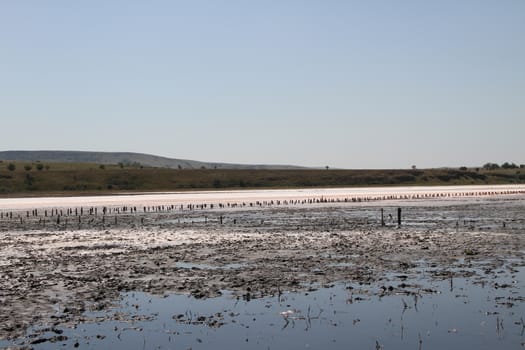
[{"x": 51, "y": 276}]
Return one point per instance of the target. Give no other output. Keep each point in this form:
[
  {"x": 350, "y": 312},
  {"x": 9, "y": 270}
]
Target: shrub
[
  {"x": 29, "y": 180},
  {"x": 477, "y": 176},
  {"x": 40, "y": 166},
  {"x": 28, "y": 167},
  {"x": 405, "y": 178},
  {"x": 444, "y": 178},
  {"x": 11, "y": 166},
  {"x": 491, "y": 166},
  {"x": 508, "y": 165}
]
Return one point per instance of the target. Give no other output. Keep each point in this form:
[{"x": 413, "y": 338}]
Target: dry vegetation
[{"x": 35, "y": 178}]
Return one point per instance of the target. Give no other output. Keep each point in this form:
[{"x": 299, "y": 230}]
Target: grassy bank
[{"x": 24, "y": 178}]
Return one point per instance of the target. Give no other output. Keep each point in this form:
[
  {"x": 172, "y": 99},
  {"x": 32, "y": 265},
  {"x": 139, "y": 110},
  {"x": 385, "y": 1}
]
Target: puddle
[
  {"x": 399, "y": 312},
  {"x": 195, "y": 266}
]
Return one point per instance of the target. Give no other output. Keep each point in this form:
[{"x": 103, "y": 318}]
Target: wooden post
[
  {"x": 399, "y": 217},
  {"x": 382, "y": 217}
]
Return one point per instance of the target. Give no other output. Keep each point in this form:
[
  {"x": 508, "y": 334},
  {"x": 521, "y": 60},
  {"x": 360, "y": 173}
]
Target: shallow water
[
  {"x": 424, "y": 309},
  {"x": 449, "y": 277}
]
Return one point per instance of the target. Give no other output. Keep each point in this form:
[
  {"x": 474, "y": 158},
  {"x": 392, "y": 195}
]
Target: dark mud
[{"x": 52, "y": 278}]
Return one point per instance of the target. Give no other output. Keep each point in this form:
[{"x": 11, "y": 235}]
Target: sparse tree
[
  {"x": 11, "y": 166},
  {"x": 102, "y": 166},
  {"x": 28, "y": 167},
  {"x": 327, "y": 167},
  {"x": 414, "y": 167},
  {"x": 39, "y": 166},
  {"x": 463, "y": 168}
]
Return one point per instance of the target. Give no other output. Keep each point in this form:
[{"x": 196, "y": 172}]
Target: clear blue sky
[{"x": 351, "y": 84}]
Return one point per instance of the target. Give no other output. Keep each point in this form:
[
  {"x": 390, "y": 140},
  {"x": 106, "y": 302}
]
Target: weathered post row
[{"x": 57, "y": 213}]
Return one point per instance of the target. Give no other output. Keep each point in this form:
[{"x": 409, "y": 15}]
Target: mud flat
[{"x": 193, "y": 275}]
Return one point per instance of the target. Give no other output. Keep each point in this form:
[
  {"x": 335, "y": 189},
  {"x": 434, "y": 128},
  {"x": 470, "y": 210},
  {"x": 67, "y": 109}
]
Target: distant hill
[{"x": 127, "y": 158}]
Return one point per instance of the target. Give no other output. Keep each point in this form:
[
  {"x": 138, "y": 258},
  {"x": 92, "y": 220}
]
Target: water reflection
[{"x": 428, "y": 311}]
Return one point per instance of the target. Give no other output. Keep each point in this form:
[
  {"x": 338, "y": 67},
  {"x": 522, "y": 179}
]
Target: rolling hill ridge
[{"x": 127, "y": 158}]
